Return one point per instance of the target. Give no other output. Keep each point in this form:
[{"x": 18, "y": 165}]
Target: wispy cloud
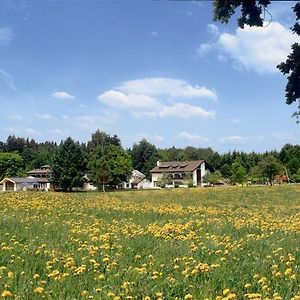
[
  {"x": 15, "y": 117},
  {"x": 8, "y": 79},
  {"x": 185, "y": 111},
  {"x": 62, "y": 95},
  {"x": 44, "y": 116},
  {"x": 237, "y": 139},
  {"x": 191, "y": 137},
  {"x": 92, "y": 122},
  {"x": 58, "y": 132},
  {"x": 6, "y": 35},
  {"x": 233, "y": 120},
  {"x": 29, "y": 132}
]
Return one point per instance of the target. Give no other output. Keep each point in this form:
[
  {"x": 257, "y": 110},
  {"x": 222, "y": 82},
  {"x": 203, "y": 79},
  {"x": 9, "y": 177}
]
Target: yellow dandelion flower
[
  {"x": 6, "y": 294},
  {"x": 188, "y": 296},
  {"x": 84, "y": 293},
  {"x": 39, "y": 290},
  {"x": 110, "y": 294},
  {"x": 10, "y": 274},
  {"x": 288, "y": 271},
  {"x": 226, "y": 291}
]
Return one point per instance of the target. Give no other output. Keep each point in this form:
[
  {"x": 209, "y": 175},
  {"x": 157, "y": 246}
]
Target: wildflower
[
  {"x": 247, "y": 286},
  {"x": 288, "y": 271},
  {"x": 39, "y": 290},
  {"x": 188, "y": 296},
  {"x": 84, "y": 293},
  {"x": 6, "y": 294},
  {"x": 101, "y": 277},
  {"x": 226, "y": 291},
  {"x": 10, "y": 274},
  {"x": 110, "y": 294}
]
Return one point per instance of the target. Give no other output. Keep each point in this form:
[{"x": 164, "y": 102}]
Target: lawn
[{"x": 212, "y": 243}]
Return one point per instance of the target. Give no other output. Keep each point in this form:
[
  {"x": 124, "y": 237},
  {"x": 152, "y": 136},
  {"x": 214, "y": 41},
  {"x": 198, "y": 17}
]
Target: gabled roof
[
  {"x": 24, "y": 180},
  {"x": 137, "y": 180},
  {"x": 177, "y": 166},
  {"x": 39, "y": 171}
]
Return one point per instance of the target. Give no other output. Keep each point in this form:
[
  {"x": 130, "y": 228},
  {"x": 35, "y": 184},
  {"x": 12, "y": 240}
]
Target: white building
[
  {"x": 179, "y": 173},
  {"x": 137, "y": 180},
  {"x": 25, "y": 183},
  {"x": 38, "y": 179}
]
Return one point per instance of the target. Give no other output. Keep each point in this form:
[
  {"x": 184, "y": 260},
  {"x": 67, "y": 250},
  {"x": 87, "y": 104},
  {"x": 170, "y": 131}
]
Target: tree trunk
[{"x": 103, "y": 187}]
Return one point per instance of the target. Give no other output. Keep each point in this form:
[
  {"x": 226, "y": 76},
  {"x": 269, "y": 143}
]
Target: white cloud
[
  {"x": 13, "y": 129},
  {"x": 8, "y": 79},
  {"x": 236, "y": 139},
  {"x": 95, "y": 121},
  {"x": 150, "y": 98},
  {"x": 58, "y": 132},
  {"x": 258, "y": 48},
  {"x": 31, "y": 131},
  {"x": 186, "y": 111},
  {"x": 116, "y": 98},
  {"x": 166, "y": 86},
  {"x": 213, "y": 29},
  {"x": 44, "y": 116},
  {"x": 233, "y": 120},
  {"x": 62, "y": 95},
  {"x": 149, "y": 137},
  {"x": 205, "y": 48},
  {"x": 191, "y": 137},
  {"x": 6, "y": 35},
  {"x": 23, "y": 131},
  {"x": 178, "y": 110},
  {"x": 154, "y": 33},
  {"x": 15, "y": 117}
]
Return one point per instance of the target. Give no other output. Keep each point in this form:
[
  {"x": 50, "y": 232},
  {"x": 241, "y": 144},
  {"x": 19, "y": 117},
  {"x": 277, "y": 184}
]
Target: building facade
[{"x": 176, "y": 173}]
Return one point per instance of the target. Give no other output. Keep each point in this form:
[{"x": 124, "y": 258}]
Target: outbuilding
[{"x": 24, "y": 183}]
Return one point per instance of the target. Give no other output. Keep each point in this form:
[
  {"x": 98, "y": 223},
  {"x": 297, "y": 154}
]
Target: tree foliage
[
  {"x": 11, "y": 164},
  {"x": 238, "y": 172},
  {"x": 102, "y": 139},
  {"x": 213, "y": 178},
  {"x": 269, "y": 167},
  {"x": 252, "y": 13},
  {"x": 99, "y": 169},
  {"x": 69, "y": 166},
  {"x": 144, "y": 156}
]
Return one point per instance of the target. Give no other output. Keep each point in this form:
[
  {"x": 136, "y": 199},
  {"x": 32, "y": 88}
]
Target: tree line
[{"x": 104, "y": 161}]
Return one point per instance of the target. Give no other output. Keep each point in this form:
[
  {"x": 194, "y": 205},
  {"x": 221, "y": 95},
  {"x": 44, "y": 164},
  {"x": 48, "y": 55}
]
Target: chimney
[{"x": 158, "y": 163}]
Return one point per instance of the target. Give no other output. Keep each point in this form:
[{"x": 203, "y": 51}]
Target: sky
[{"x": 160, "y": 70}]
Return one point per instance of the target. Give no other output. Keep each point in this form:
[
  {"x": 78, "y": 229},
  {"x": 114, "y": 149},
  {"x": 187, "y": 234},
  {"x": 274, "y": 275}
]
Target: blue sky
[{"x": 162, "y": 70}]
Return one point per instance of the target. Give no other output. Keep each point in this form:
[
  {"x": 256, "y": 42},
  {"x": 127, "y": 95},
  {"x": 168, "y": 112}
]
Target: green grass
[{"x": 162, "y": 244}]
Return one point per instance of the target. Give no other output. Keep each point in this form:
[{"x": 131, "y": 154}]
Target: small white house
[
  {"x": 137, "y": 180},
  {"x": 24, "y": 183},
  {"x": 177, "y": 173}
]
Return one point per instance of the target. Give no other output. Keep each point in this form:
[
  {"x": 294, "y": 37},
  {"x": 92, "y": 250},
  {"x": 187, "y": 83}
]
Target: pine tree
[{"x": 68, "y": 166}]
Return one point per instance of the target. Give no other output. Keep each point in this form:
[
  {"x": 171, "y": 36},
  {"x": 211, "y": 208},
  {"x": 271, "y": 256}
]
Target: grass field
[{"x": 226, "y": 243}]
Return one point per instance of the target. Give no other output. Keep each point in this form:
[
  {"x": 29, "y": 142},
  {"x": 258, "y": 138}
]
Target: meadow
[{"x": 210, "y": 243}]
